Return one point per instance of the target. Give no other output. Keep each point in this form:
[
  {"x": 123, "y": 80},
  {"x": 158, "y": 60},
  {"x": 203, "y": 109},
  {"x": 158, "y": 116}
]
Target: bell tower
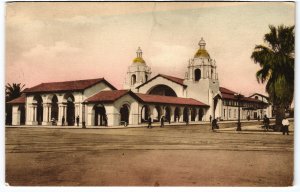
[
  {"x": 137, "y": 73},
  {"x": 202, "y": 78}
]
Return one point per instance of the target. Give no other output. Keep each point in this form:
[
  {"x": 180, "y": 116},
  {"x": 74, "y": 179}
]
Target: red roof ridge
[
  {"x": 171, "y": 78},
  {"x": 102, "y": 78},
  {"x": 226, "y": 90},
  {"x": 148, "y": 98},
  {"x": 73, "y": 85},
  {"x": 107, "y": 96}
]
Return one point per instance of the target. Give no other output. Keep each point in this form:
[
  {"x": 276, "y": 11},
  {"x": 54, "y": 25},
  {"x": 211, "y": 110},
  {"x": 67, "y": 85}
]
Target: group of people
[
  {"x": 150, "y": 120},
  {"x": 214, "y": 123},
  {"x": 63, "y": 121},
  {"x": 284, "y": 128}
]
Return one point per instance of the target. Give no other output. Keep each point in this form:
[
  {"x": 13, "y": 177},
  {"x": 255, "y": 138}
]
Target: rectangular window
[
  {"x": 224, "y": 113},
  {"x": 229, "y": 110},
  {"x": 234, "y": 112}
]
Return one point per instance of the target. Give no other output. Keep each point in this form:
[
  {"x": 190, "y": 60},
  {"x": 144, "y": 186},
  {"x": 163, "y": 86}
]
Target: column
[
  {"x": 49, "y": 113},
  {"x": 172, "y": 111},
  {"x": 83, "y": 116},
  {"x": 15, "y": 115},
  {"x": 60, "y": 113},
  {"x": 45, "y": 114},
  {"x": 197, "y": 114},
  {"x": 189, "y": 114},
  {"x": 34, "y": 113},
  {"x": 28, "y": 114},
  {"x": 181, "y": 114}
]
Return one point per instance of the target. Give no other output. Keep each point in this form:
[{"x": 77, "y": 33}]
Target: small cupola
[
  {"x": 139, "y": 57},
  {"x": 202, "y": 53}
]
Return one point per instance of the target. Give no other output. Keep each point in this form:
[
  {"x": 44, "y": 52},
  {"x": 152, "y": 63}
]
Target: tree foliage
[
  {"x": 13, "y": 91},
  {"x": 276, "y": 59}
]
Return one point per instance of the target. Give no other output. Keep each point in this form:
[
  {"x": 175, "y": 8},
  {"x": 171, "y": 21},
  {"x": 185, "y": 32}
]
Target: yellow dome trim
[
  {"x": 201, "y": 53},
  {"x": 139, "y": 60}
]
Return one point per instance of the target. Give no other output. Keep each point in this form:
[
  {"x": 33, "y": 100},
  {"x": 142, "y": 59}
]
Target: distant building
[{"x": 193, "y": 98}]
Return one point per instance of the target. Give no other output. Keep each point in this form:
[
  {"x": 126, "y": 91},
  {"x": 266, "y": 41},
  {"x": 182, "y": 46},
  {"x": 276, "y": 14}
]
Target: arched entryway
[
  {"x": 38, "y": 102},
  {"x": 100, "y": 115},
  {"x": 176, "y": 114},
  {"x": 145, "y": 113},
  {"x": 167, "y": 113},
  {"x": 200, "y": 116},
  {"x": 70, "y": 113},
  {"x": 156, "y": 113},
  {"x": 54, "y": 108},
  {"x": 193, "y": 114},
  {"x": 124, "y": 113},
  {"x": 21, "y": 110},
  {"x": 186, "y": 114}
]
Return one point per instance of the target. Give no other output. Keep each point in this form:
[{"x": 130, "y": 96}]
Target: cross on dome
[
  {"x": 139, "y": 52},
  {"x": 202, "y": 43}
]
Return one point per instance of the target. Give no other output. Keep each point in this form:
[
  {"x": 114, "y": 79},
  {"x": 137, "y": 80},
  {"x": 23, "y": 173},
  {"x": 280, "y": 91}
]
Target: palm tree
[
  {"x": 11, "y": 92},
  {"x": 276, "y": 59}
]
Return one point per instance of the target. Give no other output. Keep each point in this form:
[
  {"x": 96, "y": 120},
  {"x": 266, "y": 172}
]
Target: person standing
[
  {"x": 105, "y": 120},
  {"x": 210, "y": 118},
  {"x": 187, "y": 121},
  {"x": 162, "y": 120},
  {"x": 149, "y": 122},
  {"x": 63, "y": 121},
  {"x": 285, "y": 126},
  {"x": 77, "y": 120}
]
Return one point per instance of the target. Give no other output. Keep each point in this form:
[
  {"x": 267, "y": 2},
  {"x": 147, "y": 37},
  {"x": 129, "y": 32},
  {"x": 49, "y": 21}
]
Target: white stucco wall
[{"x": 95, "y": 89}]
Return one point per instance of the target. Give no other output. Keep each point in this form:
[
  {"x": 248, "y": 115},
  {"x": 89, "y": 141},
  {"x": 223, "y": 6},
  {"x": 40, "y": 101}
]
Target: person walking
[
  {"x": 214, "y": 124},
  {"x": 285, "y": 126},
  {"x": 149, "y": 122},
  {"x": 266, "y": 123},
  {"x": 162, "y": 121},
  {"x": 63, "y": 120},
  {"x": 77, "y": 120}
]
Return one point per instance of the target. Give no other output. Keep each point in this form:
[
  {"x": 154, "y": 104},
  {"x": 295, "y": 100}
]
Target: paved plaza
[{"x": 171, "y": 156}]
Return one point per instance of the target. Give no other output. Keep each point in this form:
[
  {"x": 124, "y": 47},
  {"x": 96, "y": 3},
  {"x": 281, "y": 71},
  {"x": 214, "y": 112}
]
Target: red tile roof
[
  {"x": 169, "y": 100},
  {"x": 171, "y": 78},
  {"x": 111, "y": 96},
  {"x": 78, "y": 85},
  {"x": 228, "y": 94},
  {"x": 19, "y": 100},
  {"x": 174, "y": 79},
  {"x": 107, "y": 96},
  {"x": 226, "y": 91}
]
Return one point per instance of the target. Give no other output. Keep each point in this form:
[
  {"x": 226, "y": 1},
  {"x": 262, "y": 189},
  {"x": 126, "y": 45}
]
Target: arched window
[
  {"x": 133, "y": 79},
  {"x": 212, "y": 73},
  {"x": 197, "y": 74},
  {"x": 146, "y": 78}
]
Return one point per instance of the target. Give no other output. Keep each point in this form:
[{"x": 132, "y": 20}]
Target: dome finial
[
  {"x": 139, "y": 52},
  {"x": 202, "y": 43}
]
